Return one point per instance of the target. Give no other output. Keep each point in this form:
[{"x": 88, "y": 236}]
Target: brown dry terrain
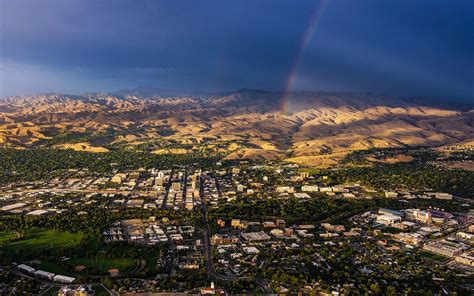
[
  {"x": 466, "y": 165},
  {"x": 316, "y": 128}
]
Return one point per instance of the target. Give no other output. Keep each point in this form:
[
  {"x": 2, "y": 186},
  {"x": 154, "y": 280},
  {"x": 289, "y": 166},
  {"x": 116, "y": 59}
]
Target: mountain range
[{"x": 314, "y": 128}]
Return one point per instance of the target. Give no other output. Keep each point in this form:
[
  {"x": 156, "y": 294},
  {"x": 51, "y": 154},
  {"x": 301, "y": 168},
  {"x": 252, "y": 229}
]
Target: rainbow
[{"x": 306, "y": 38}]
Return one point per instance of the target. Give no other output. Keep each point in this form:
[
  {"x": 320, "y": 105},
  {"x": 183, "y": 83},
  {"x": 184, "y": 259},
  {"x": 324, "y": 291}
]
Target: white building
[
  {"x": 63, "y": 279},
  {"x": 302, "y": 195},
  {"x": 391, "y": 194},
  {"x": 310, "y": 188},
  {"x": 282, "y": 189},
  {"x": 26, "y": 268},
  {"x": 388, "y": 219},
  {"x": 442, "y": 195},
  {"x": 45, "y": 274}
]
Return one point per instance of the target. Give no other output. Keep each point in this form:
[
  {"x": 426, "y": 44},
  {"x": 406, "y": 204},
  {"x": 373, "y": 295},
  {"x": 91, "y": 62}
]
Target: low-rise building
[
  {"x": 390, "y": 211},
  {"x": 44, "y": 274},
  {"x": 445, "y": 248},
  {"x": 330, "y": 227},
  {"x": 76, "y": 291},
  {"x": 280, "y": 223},
  {"x": 466, "y": 259},
  {"x": 224, "y": 239},
  {"x": 310, "y": 188},
  {"x": 442, "y": 195},
  {"x": 302, "y": 195},
  {"x": 388, "y": 219},
  {"x": 464, "y": 235},
  {"x": 26, "y": 268},
  {"x": 63, "y": 279},
  {"x": 255, "y": 236},
  {"x": 391, "y": 194}
]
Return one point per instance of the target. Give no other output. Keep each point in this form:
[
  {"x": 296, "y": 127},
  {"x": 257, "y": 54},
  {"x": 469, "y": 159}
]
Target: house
[
  {"x": 235, "y": 223},
  {"x": 221, "y": 223},
  {"x": 280, "y": 223}
]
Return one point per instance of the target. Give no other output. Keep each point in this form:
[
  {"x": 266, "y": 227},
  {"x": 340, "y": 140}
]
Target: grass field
[
  {"x": 433, "y": 256},
  {"x": 5, "y": 236},
  {"x": 38, "y": 240},
  {"x": 100, "y": 291},
  {"x": 104, "y": 264},
  {"x": 54, "y": 268}
]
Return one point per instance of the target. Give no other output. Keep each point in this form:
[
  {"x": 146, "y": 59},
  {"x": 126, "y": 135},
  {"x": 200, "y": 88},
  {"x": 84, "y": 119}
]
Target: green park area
[
  {"x": 433, "y": 256},
  {"x": 38, "y": 240},
  {"x": 54, "y": 267},
  {"x": 75, "y": 253},
  {"x": 102, "y": 265},
  {"x": 5, "y": 237}
]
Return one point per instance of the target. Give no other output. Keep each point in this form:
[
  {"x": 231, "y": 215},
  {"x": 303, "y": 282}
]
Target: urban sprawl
[{"x": 230, "y": 247}]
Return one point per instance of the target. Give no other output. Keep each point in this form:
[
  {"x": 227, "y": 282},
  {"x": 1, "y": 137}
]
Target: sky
[{"x": 396, "y": 47}]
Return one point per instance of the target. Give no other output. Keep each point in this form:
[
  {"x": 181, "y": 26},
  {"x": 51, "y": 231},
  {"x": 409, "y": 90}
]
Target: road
[
  {"x": 207, "y": 249},
  {"x": 85, "y": 191},
  {"x": 167, "y": 189},
  {"x": 206, "y": 244}
]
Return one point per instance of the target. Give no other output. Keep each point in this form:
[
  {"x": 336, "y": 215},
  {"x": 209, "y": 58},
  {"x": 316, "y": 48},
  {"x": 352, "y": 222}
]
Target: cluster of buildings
[
  {"x": 431, "y": 230},
  {"x": 147, "y": 231},
  {"x": 284, "y": 181},
  {"x": 147, "y": 189},
  {"x": 41, "y": 274},
  {"x": 238, "y": 243},
  {"x": 184, "y": 191},
  {"x": 422, "y": 195},
  {"x": 178, "y": 189},
  {"x": 81, "y": 290},
  {"x": 136, "y": 231}
]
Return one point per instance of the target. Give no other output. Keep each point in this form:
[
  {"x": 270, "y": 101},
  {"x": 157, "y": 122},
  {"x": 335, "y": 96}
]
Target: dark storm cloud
[{"x": 399, "y": 47}]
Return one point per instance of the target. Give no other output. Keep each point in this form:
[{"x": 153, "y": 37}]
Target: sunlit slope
[{"x": 315, "y": 128}]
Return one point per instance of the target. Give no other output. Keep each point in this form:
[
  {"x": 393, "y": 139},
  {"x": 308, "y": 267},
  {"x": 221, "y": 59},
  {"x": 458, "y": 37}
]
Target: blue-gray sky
[{"x": 399, "y": 47}]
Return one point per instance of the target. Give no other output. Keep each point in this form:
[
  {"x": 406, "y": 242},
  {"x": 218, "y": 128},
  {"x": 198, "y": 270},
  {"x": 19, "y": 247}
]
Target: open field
[
  {"x": 104, "y": 264},
  {"x": 433, "y": 256},
  {"x": 38, "y": 240},
  {"x": 5, "y": 237},
  {"x": 54, "y": 267}
]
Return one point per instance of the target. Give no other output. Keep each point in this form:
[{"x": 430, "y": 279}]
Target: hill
[{"x": 314, "y": 128}]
